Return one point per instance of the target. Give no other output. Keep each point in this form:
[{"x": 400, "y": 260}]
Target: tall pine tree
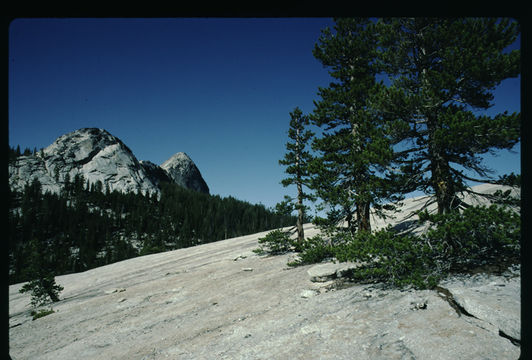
[
  {"x": 297, "y": 159},
  {"x": 350, "y": 172},
  {"x": 442, "y": 72}
]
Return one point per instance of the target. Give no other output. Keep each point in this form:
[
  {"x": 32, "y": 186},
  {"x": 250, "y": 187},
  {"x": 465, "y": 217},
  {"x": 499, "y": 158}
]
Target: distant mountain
[
  {"x": 182, "y": 170},
  {"x": 100, "y": 156}
]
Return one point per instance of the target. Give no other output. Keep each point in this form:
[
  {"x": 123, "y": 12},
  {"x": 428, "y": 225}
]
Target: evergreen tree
[
  {"x": 42, "y": 285},
  {"x": 442, "y": 71},
  {"x": 39, "y": 264},
  {"x": 296, "y": 160},
  {"x": 352, "y": 170},
  {"x": 67, "y": 186}
]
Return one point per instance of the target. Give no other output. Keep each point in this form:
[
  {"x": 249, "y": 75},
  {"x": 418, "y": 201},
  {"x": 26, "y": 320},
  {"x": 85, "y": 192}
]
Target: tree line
[
  {"x": 86, "y": 225},
  {"x": 15, "y": 152}
]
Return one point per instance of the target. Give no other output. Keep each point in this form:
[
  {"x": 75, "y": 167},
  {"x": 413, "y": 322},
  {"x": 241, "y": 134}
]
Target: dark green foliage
[
  {"x": 33, "y": 256},
  {"x": 40, "y": 270},
  {"x": 442, "y": 72},
  {"x": 510, "y": 180},
  {"x": 285, "y": 207},
  {"x": 475, "y": 237},
  {"x": 454, "y": 242},
  {"x": 88, "y": 226},
  {"x": 13, "y": 153},
  {"x": 276, "y": 242},
  {"x": 41, "y": 313},
  {"x": 399, "y": 260},
  {"x": 314, "y": 250},
  {"x": 420, "y": 129},
  {"x": 42, "y": 290},
  {"x": 296, "y": 161},
  {"x": 353, "y": 152}
]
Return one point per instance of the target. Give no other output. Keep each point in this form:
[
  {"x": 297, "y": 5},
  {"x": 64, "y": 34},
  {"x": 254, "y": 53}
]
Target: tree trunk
[
  {"x": 362, "y": 207},
  {"x": 349, "y": 220},
  {"x": 363, "y": 219},
  {"x": 300, "y": 214},
  {"x": 440, "y": 181}
]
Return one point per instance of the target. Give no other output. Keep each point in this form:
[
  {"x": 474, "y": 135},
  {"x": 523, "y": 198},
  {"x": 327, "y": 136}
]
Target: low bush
[
  {"x": 455, "y": 241},
  {"x": 36, "y": 315},
  {"x": 314, "y": 250},
  {"x": 477, "y": 236},
  {"x": 399, "y": 260},
  {"x": 276, "y": 242}
]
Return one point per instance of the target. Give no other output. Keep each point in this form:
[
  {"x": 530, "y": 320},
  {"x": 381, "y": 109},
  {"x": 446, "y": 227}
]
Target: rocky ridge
[{"x": 99, "y": 156}]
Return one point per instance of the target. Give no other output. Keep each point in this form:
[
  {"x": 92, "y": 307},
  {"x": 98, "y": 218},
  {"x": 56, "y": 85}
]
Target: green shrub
[
  {"x": 477, "y": 236},
  {"x": 314, "y": 250},
  {"x": 42, "y": 290},
  {"x": 274, "y": 243},
  {"x": 36, "y": 315},
  {"x": 454, "y": 241},
  {"x": 399, "y": 260}
]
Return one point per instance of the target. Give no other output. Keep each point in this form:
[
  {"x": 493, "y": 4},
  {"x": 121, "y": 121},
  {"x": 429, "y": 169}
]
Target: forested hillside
[{"x": 86, "y": 225}]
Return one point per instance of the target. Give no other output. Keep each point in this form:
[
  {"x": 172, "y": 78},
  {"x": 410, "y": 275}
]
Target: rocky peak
[
  {"x": 182, "y": 170},
  {"x": 83, "y": 144},
  {"x": 98, "y": 156}
]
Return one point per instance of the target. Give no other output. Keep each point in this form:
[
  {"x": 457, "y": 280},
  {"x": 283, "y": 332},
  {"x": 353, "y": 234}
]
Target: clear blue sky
[{"x": 218, "y": 89}]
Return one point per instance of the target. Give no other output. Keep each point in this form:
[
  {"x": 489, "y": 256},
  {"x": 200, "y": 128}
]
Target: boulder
[
  {"x": 329, "y": 271},
  {"x": 493, "y": 299}
]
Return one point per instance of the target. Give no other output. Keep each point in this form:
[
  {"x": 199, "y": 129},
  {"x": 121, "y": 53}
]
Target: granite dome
[{"x": 99, "y": 156}]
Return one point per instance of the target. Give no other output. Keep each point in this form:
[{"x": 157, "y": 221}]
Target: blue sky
[{"x": 219, "y": 89}]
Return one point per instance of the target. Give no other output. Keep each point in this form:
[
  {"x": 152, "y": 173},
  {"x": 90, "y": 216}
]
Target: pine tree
[
  {"x": 351, "y": 172},
  {"x": 40, "y": 267},
  {"x": 297, "y": 159},
  {"x": 442, "y": 72}
]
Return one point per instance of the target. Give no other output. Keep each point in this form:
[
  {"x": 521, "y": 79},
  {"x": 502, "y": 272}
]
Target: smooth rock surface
[
  {"x": 197, "y": 303},
  {"x": 494, "y": 299}
]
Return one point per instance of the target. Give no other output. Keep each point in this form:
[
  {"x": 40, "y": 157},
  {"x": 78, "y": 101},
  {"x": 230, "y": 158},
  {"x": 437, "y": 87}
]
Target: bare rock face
[
  {"x": 98, "y": 156},
  {"x": 156, "y": 174},
  {"x": 493, "y": 299},
  {"x": 199, "y": 303},
  {"x": 182, "y": 170}
]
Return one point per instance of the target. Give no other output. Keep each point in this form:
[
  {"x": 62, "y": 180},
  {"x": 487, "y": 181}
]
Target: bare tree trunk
[
  {"x": 300, "y": 209},
  {"x": 440, "y": 174},
  {"x": 363, "y": 219},
  {"x": 300, "y": 215}
]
